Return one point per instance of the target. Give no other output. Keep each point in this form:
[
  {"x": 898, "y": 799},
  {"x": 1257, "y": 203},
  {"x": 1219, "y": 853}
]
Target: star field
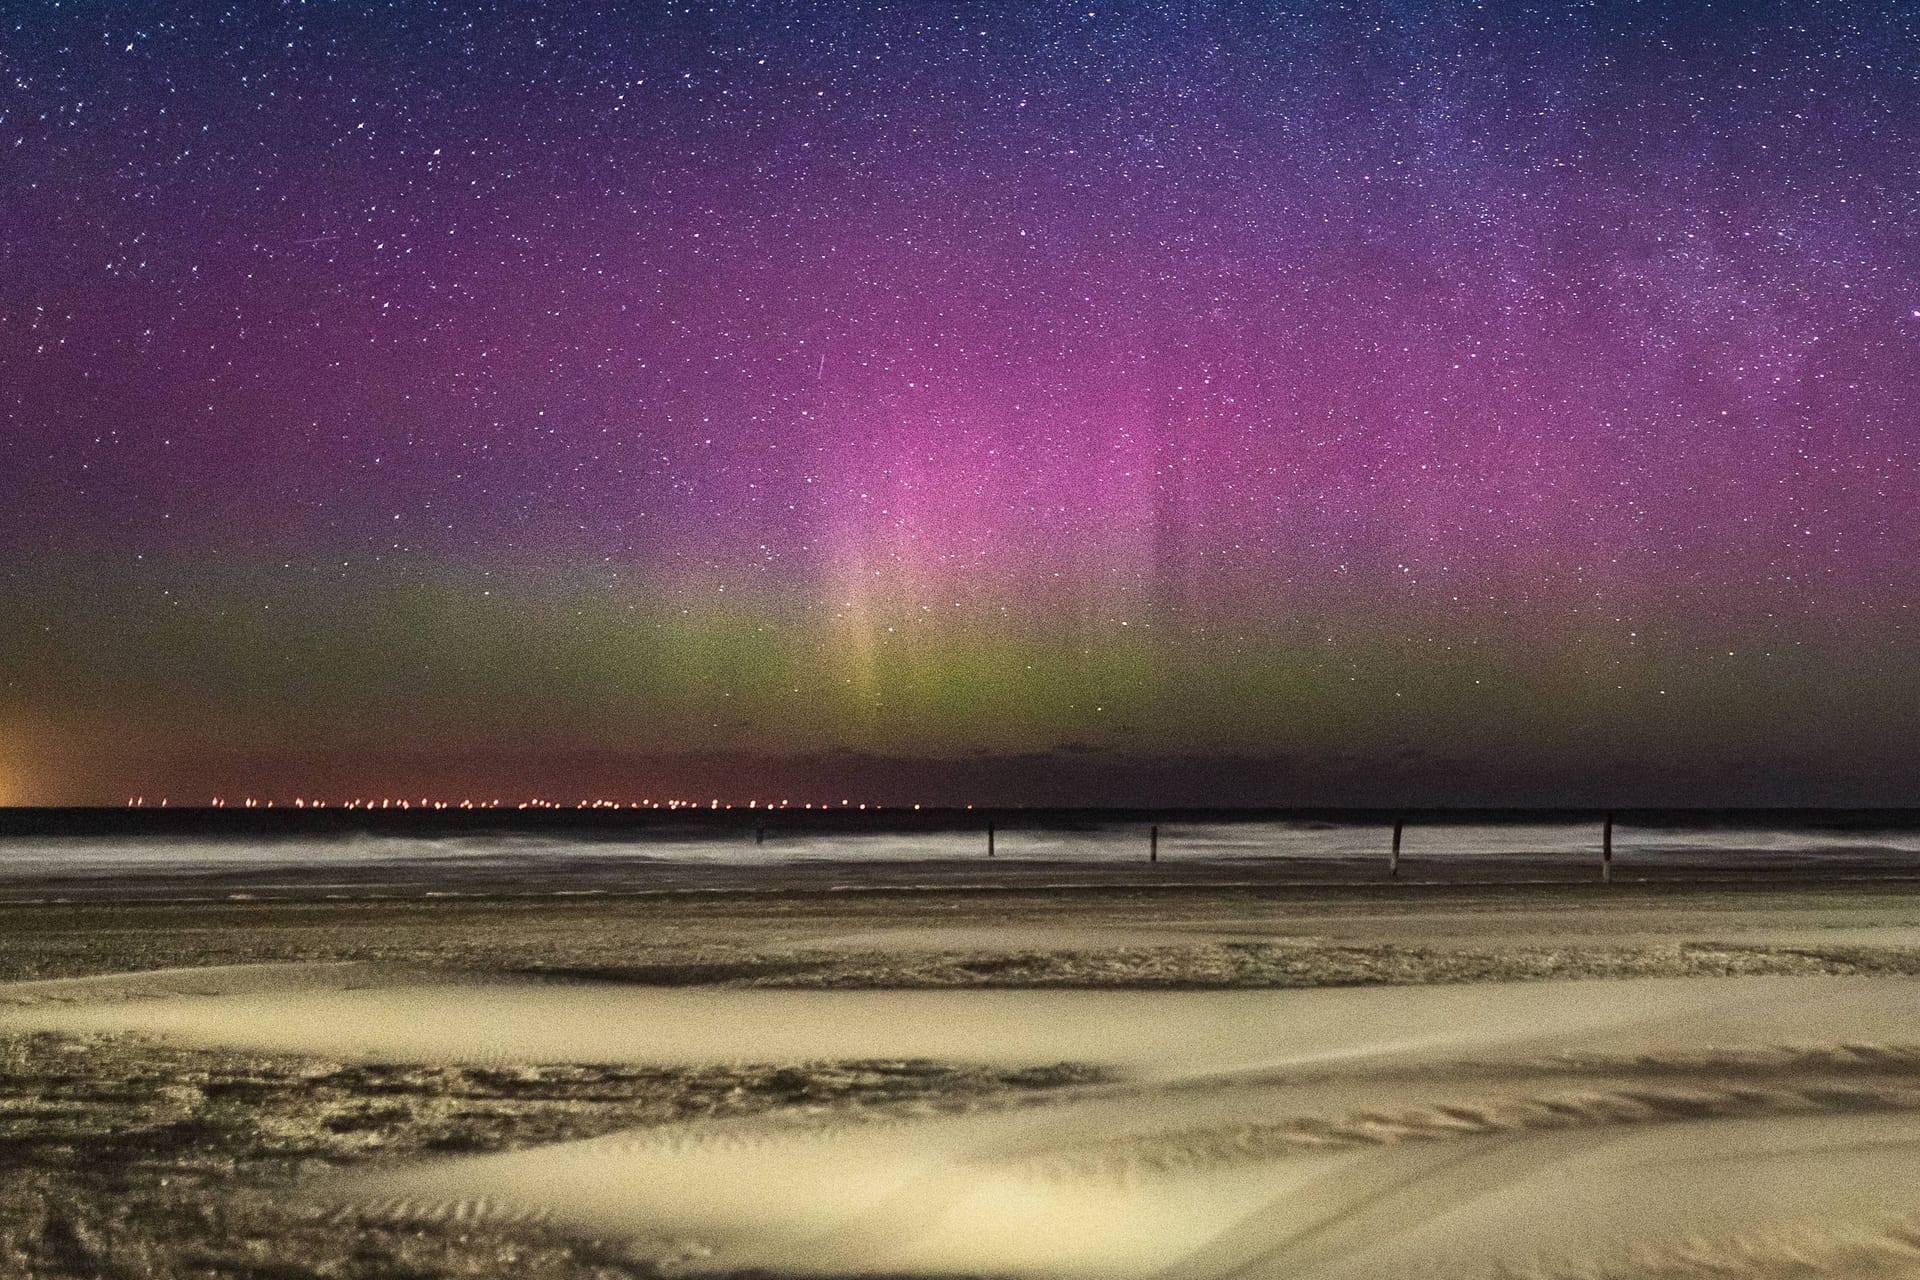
[{"x": 1189, "y": 401}]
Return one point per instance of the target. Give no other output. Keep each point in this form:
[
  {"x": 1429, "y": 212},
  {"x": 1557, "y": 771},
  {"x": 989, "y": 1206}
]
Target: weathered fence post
[
  {"x": 1393, "y": 858},
  {"x": 989, "y": 839},
  {"x": 1153, "y": 843},
  {"x": 1606, "y": 850},
  {"x": 759, "y": 835}
]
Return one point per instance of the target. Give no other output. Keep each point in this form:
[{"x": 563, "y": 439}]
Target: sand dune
[{"x": 1654, "y": 1127}]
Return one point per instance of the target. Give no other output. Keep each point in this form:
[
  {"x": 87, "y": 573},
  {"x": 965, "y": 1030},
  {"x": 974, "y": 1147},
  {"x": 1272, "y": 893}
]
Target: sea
[{"x": 1125, "y": 855}]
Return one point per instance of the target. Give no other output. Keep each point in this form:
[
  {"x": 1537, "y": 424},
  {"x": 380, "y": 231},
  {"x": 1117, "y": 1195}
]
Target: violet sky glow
[{"x": 1201, "y": 402}]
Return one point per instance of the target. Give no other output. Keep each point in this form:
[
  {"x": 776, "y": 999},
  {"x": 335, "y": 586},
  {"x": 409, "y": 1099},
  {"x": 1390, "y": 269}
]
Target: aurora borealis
[{"x": 1204, "y": 402}]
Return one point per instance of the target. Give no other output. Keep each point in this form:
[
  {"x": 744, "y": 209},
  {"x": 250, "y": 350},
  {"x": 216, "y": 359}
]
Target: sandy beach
[
  {"x": 1205, "y": 1082},
  {"x": 1536, "y": 1128}
]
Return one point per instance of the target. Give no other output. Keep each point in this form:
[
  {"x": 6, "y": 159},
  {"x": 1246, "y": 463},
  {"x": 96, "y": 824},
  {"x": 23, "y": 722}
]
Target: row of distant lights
[{"x": 387, "y": 802}]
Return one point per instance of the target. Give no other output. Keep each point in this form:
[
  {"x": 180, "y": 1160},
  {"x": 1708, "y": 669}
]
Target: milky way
[{"x": 1221, "y": 402}]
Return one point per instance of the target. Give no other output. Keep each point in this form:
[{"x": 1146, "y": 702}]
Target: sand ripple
[{"x": 1572, "y": 1131}]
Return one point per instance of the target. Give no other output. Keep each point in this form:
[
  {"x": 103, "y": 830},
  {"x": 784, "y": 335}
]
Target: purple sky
[{"x": 1196, "y": 402}]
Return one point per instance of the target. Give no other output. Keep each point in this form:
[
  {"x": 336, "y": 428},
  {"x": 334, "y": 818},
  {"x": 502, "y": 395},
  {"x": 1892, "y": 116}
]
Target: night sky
[{"x": 1223, "y": 403}]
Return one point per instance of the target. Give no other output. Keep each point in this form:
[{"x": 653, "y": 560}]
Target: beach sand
[{"x": 1488, "y": 1084}]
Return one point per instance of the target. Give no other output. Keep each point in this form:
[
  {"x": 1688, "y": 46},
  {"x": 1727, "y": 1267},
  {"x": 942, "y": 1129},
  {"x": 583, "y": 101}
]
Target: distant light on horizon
[{"x": 468, "y": 803}]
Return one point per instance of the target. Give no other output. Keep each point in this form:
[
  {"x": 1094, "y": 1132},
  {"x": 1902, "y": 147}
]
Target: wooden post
[
  {"x": 759, "y": 835},
  {"x": 1393, "y": 859},
  {"x": 1606, "y": 850},
  {"x": 1153, "y": 843},
  {"x": 989, "y": 839}
]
